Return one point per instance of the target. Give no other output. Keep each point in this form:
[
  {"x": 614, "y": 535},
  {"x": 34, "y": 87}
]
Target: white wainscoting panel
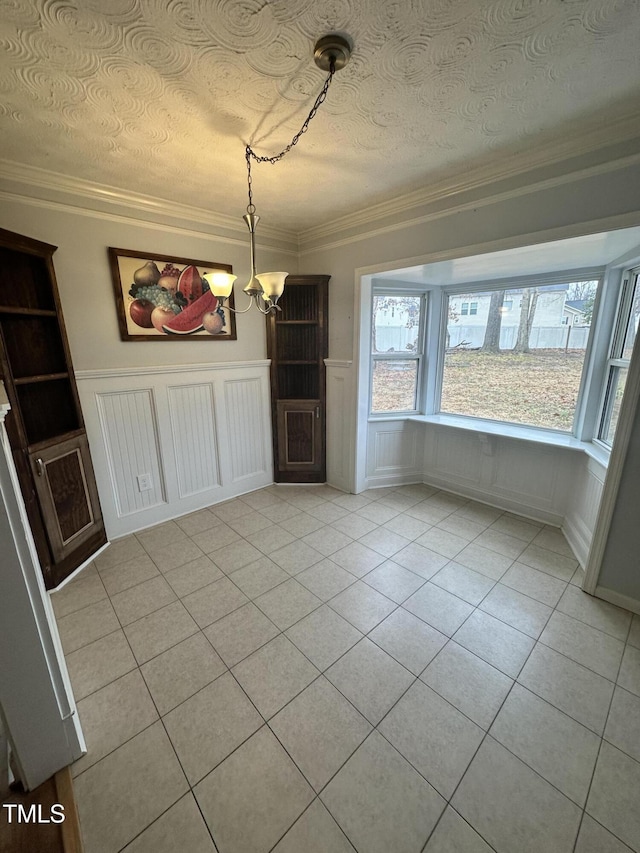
[
  {"x": 523, "y": 477},
  {"x": 202, "y": 432},
  {"x": 453, "y": 454},
  {"x": 194, "y": 437},
  {"x": 527, "y": 478},
  {"x": 533, "y": 475},
  {"x": 393, "y": 454},
  {"x": 339, "y": 411},
  {"x": 245, "y": 411},
  {"x": 130, "y": 434},
  {"x": 582, "y": 507}
]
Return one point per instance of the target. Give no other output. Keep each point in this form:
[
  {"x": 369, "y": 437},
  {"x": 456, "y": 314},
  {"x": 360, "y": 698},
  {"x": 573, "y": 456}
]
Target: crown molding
[
  {"x": 365, "y": 233},
  {"x": 624, "y": 132},
  {"x": 68, "y": 191},
  {"x": 120, "y": 218}
]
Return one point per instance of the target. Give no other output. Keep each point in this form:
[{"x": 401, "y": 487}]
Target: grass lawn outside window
[{"x": 538, "y": 389}]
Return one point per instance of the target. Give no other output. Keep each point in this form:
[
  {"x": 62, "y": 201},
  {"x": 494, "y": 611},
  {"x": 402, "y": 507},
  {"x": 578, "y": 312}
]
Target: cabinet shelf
[
  {"x": 38, "y": 446},
  {"x": 43, "y": 377},
  {"x": 28, "y": 312},
  {"x": 298, "y": 361},
  {"x": 296, "y": 322}
]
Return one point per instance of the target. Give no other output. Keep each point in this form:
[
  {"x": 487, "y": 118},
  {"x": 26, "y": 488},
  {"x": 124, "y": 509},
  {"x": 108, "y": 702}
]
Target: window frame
[
  {"x": 419, "y": 356},
  {"x": 629, "y": 284}
]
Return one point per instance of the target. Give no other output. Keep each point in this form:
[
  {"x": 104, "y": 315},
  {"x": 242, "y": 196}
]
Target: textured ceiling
[{"x": 159, "y": 96}]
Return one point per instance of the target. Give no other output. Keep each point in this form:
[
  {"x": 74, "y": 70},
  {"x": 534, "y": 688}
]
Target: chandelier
[{"x": 331, "y": 53}]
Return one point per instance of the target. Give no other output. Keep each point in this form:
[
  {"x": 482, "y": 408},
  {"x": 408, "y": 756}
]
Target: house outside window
[{"x": 469, "y": 309}]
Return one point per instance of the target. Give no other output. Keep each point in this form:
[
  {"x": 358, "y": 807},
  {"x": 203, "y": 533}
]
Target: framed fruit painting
[{"x": 164, "y": 298}]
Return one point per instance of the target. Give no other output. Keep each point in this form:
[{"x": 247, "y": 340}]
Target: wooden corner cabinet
[
  {"x": 297, "y": 344},
  {"x": 45, "y": 426}
]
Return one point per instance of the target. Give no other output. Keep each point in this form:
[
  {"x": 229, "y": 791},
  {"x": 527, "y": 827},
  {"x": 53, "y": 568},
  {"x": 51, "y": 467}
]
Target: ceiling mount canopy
[{"x": 331, "y": 53}]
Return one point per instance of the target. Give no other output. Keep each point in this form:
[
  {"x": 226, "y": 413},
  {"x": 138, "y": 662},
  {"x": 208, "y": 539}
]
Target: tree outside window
[{"x": 523, "y": 363}]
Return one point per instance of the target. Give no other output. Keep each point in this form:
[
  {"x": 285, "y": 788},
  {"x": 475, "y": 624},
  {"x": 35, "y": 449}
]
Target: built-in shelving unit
[
  {"x": 45, "y": 424},
  {"x": 297, "y": 344}
]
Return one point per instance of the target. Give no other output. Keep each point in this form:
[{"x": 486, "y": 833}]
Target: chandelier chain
[{"x": 250, "y": 153}]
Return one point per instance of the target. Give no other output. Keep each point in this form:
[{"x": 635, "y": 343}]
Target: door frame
[{"x": 36, "y": 701}]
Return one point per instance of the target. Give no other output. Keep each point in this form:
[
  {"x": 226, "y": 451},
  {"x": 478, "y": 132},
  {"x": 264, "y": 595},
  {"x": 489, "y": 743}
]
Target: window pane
[
  {"x": 615, "y": 392},
  {"x": 632, "y": 327},
  {"x": 396, "y": 323},
  {"x": 394, "y": 386},
  {"x": 517, "y": 359}
]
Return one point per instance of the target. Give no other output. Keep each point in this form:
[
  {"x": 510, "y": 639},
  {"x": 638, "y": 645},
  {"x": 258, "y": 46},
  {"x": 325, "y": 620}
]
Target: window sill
[{"x": 519, "y": 433}]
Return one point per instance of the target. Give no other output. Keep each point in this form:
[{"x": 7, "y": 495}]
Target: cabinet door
[
  {"x": 300, "y": 446},
  {"x": 69, "y": 504}
]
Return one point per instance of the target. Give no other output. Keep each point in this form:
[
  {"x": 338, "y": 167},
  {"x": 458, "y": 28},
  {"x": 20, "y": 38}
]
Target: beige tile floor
[{"x": 306, "y": 671}]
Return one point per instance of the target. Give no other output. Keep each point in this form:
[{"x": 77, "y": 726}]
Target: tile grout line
[
  {"x": 602, "y": 740},
  {"x": 397, "y": 605}
]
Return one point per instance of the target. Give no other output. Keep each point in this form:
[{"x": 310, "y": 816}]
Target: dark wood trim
[
  {"x": 28, "y": 245},
  {"x": 43, "y": 377}
]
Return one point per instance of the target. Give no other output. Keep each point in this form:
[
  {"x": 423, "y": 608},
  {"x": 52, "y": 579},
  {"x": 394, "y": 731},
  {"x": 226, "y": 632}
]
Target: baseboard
[
  {"x": 497, "y": 501},
  {"x": 618, "y": 599},
  {"x": 390, "y": 480}
]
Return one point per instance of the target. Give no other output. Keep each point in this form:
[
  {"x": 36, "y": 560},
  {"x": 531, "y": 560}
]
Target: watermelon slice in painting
[
  {"x": 190, "y": 284},
  {"x": 189, "y": 321}
]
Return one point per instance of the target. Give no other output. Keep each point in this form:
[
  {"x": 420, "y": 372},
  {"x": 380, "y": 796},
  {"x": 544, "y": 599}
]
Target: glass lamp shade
[
  {"x": 221, "y": 283},
  {"x": 272, "y": 284}
]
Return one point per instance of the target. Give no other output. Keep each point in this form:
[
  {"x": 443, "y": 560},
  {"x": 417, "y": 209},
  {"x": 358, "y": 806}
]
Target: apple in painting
[
  {"x": 212, "y": 322},
  {"x": 160, "y": 316},
  {"x": 140, "y": 312}
]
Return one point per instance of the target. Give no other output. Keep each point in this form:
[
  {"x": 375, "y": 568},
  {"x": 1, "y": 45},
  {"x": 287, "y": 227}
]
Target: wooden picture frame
[{"x": 165, "y": 298}]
